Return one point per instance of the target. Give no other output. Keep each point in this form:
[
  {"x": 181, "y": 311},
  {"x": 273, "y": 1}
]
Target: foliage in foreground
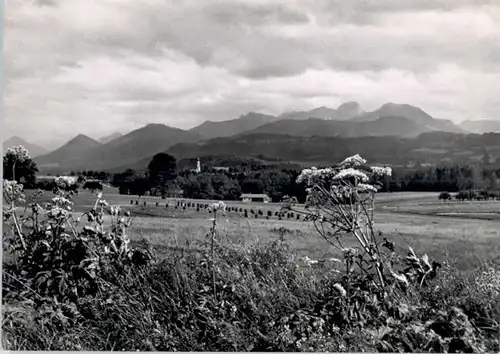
[{"x": 75, "y": 285}]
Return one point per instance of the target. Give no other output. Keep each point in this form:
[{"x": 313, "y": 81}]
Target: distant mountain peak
[
  {"x": 34, "y": 149},
  {"x": 253, "y": 115},
  {"x": 349, "y": 110},
  {"x": 83, "y": 139},
  {"x": 154, "y": 125}
]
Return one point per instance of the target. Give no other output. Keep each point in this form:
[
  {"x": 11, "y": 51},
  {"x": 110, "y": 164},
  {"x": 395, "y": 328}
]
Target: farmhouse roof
[{"x": 250, "y": 195}]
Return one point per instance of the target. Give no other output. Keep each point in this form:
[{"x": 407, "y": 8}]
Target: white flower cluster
[
  {"x": 308, "y": 261},
  {"x": 351, "y": 173},
  {"x": 341, "y": 176},
  {"x": 103, "y": 203},
  {"x": 13, "y": 192},
  {"x": 219, "y": 206},
  {"x": 64, "y": 181},
  {"x": 309, "y": 175},
  {"x": 341, "y": 191},
  {"x": 381, "y": 171},
  {"x": 19, "y": 152},
  {"x": 57, "y": 213},
  {"x": 62, "y": 202},
  {"x": 353, "y": 161},
  {"x": 366, "y": 188}
]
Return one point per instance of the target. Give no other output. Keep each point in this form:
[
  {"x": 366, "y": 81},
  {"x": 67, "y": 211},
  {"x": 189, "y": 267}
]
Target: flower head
[
  {"x": 64, "y": 182},
  {"x": 219, "y": 206},
  {"x": 353, "y": 161},
  {"x": 351, "y": 173},
  {"x": 13, "y": 192},
  {"x": 20, "y": 153}
]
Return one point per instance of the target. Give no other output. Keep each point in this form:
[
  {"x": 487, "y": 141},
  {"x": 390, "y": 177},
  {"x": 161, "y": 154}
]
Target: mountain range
[
  {"x": 110, "y": 137},
  {"x": 83, "y": 153},
  {"x": 246, "y": 122},
  {"x": 301, "y": 129}
]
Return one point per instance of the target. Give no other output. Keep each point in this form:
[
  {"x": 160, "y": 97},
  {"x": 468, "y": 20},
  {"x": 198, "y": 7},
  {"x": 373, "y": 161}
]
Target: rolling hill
[
  {"x": 134, "y": 146},
  {"x": 481, "y": 126},
  {"x": 433, "y": 147},
  {"x": 249, "y": 121},
  {"x": 34, "y": 150}
]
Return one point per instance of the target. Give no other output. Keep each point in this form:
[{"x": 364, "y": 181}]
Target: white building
[{"x": 258, "y": 198}]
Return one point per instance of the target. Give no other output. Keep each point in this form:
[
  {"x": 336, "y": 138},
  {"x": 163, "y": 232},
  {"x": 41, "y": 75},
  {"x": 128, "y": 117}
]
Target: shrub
[{"x": 444, "y": 196}]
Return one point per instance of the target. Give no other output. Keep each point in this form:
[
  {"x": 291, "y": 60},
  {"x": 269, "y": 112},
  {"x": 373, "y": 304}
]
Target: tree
[
  {"x": 18, "y": 166},
  {"x": 162, "y": 168},
  {"x": 92, "y": 186},
  {"x": 444, "y": 196}
]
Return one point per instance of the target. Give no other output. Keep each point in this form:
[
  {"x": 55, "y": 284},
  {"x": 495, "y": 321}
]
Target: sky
[{"x": 102, "y": 66}]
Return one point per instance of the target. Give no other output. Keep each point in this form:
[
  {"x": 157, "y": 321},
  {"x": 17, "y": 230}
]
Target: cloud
[{"x": 96, "y": 67}]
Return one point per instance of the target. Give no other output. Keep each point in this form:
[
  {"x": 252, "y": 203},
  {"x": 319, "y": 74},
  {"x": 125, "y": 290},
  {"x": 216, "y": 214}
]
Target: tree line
[
  {"x": 452, "y": 178},
  {"x": 164, "y": 177}
]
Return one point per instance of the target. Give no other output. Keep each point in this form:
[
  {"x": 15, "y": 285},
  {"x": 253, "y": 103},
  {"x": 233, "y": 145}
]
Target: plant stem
[{"x": 213, "y": 253}]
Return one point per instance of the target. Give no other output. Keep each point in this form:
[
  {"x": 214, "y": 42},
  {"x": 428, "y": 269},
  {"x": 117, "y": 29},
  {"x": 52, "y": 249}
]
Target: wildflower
[
  {"x": 353, "y": 161},
  {"x": 366, "y": 188},
  {"x": 351, "y": 173},
  {"x": 19, "y": 152},
  {"x": 57, "y": 213},
  {"x": 99, "y": 195},
  {"x": 62, "y": 202},
  {"x": 308, "y": 261},
  {"x": 340, "y": 289},
  {"x": 13, "y": 192},
  {"x": 219, "y": 206},
  {"x": 64, "y": 182},
  {"x": 103, "y": 203}
]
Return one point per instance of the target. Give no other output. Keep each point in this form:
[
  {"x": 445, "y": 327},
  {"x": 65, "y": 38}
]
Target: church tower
[{"x": 198, "y": 166}]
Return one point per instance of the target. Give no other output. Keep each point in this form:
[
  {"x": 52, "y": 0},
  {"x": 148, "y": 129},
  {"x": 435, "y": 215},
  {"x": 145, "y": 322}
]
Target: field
[
  {"x": 253, "y": 293},
  {"x": 464, "y": 233}
]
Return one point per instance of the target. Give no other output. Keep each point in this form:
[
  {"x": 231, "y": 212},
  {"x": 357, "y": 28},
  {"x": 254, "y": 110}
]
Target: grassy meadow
[
  {"x": 465, "y": 233},
  {"x": 255, "y": 292}
]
